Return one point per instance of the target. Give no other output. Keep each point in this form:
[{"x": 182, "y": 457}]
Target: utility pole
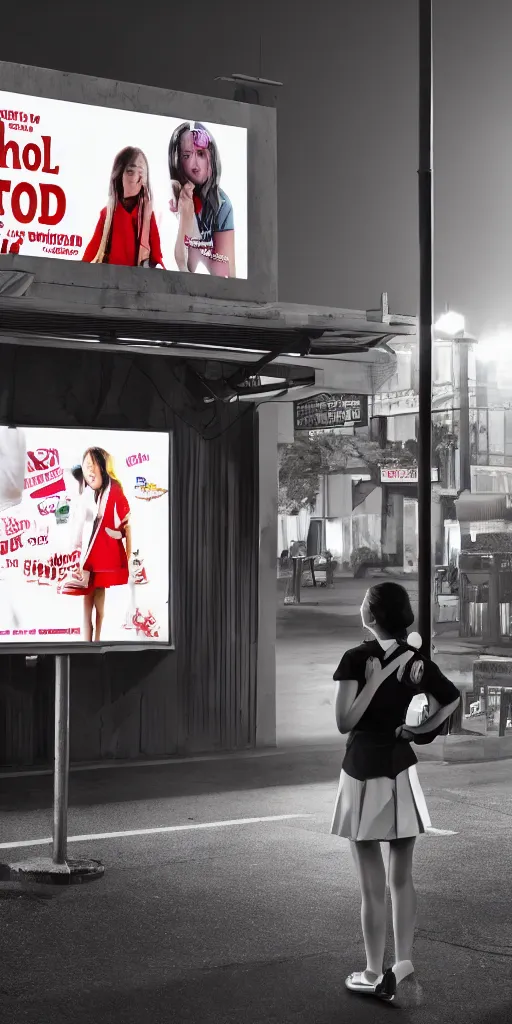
[
  {"x": 425, "y": 209},
  {"x": 464, "y": 432}
]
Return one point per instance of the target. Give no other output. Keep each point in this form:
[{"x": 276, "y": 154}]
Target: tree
[
  {"x": 311, "y": 456},
  {"x": 443, "y": 438},
  {"x": 300, "y": 466}
]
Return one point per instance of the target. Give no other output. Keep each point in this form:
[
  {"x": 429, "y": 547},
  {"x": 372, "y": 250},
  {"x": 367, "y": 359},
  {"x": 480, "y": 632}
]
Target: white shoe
[{"x": 360, "y": 982}]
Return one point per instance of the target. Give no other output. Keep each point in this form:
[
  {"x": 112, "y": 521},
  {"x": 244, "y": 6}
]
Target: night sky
[{"x": 347, "y": 127}]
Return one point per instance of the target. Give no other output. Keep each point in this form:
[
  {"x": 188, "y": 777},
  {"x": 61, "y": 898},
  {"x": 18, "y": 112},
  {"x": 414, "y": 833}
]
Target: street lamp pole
[
  {"x": 464, "y": 426},
  {"x": 425, "y": 207}
]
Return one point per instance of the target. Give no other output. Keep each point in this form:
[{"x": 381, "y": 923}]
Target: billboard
[
  {"x": 328, "y": 411},
  {"x": 84, "y": 537},
  {"x": 104, "y": 185}
]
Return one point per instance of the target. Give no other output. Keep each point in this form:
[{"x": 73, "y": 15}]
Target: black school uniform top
[{"x": 373, "y": 750}]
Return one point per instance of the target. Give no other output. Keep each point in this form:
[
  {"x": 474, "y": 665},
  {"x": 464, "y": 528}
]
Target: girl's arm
[
  {"x": 443, "y": 698},
  {"x": 154, "y": 243},
  {"x": 94, "y": 244},
  {"x": 128, "y": 540},
  {"x": 187, "y": 227},
  {"x": 346, "y": 696},
  {"x": 349, "y": 708},
  {"x": 224, "y": 244},
  {"x": 433, "y": 721}
]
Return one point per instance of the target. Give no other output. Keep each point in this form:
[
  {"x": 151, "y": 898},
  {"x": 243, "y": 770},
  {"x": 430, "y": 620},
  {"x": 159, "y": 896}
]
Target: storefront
[
  {"x": 485, "y": 566},
  {"x": 400, "y": 515}
]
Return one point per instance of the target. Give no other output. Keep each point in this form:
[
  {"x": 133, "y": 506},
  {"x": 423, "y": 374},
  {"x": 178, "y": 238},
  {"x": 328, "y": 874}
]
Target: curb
[{"x": 476, "y": 749}]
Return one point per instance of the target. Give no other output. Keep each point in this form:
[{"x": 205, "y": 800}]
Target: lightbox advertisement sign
[
  {"x": 101, "y": 185},
  {"x": 84, "y": 537},
  {"x": 328, "y": 411}
]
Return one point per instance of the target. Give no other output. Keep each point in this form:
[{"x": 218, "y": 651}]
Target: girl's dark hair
[
  {"x": 77, "y": 472},
  {"x": 125, "y": 157},
  {"x": 390, "y": 606},
  {"x": 101, "y": 458},
  {"x": 209, "y": 192}
]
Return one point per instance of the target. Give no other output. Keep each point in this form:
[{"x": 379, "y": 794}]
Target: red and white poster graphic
[
  {"x": 44, "y": 474},
  {"x": 100, "y": 185},
  {"x": 81, "y": 558}
]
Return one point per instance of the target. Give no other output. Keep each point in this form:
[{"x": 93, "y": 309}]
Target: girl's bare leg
[
  {"x": 99, "y": 605},
  {"x": 403, "y": 898},
  {"x": 88, "y": 607},
  {"x": 372, "y": 880}
]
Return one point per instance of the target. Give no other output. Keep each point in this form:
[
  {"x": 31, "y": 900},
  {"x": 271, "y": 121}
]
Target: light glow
[
  {"x": 450, "y": 324},
  {"x": 494, "y": 345}
]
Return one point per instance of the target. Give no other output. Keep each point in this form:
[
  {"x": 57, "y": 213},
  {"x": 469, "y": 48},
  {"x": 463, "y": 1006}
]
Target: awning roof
[
  {"x": 477, "y": 508},
  {"x": 246, "y": 331},
  {"x": 42, "y": 313}
]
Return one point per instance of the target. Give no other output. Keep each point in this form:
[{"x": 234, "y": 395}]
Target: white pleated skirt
[{"x": 380, "y": 809}]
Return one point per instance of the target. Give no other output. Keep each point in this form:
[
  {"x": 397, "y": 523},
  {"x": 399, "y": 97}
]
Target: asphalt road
[
  {"x": 247, "y": 922},
  {"x": 214, "y": 918}
]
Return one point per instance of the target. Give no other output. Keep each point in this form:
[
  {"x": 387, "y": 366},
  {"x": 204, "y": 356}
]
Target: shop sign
[
  {"x": 404, "y": 475},
  {"x": 484, "y": 671},
  {"x": 388, "y": 403},
  {"x": 327, "y": 411}
]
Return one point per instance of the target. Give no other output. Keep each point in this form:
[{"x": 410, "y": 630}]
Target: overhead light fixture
[
  {"x": 143, "y": 341},
  {"x": 221, "y": 348},
  {"x": 450, "y": 324}
]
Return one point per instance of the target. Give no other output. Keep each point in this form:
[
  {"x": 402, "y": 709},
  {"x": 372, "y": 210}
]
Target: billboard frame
[{"x": 31, "y": 648}]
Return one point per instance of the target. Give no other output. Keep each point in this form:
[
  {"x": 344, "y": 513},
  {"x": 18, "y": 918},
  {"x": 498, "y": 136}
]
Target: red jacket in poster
[
  {"x": 123, "y": 240},
  {"x": 105, "y": 555}
]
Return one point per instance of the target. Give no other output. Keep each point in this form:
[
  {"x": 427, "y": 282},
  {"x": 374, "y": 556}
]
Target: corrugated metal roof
[{"x": 479, "y": 508}]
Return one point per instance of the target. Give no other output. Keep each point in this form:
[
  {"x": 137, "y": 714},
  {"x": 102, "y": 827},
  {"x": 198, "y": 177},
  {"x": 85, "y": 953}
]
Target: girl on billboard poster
[
  {"x": 107, "y": 549},
  {"x": 126, "y": 233},
  {"x": 206, "y": 232}
]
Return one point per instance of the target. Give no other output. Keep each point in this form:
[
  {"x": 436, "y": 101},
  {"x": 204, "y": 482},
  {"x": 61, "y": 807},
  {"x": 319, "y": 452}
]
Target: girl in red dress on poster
[
  {"x": 126, "y": 233},
  {"x": 108, "y": 551}
]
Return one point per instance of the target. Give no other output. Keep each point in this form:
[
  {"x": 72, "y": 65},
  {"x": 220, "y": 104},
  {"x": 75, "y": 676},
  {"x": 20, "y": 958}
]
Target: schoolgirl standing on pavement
[{"x": 379, "y": 796}]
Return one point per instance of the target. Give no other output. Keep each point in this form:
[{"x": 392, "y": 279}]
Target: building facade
[{"x": 375, "y": 507}]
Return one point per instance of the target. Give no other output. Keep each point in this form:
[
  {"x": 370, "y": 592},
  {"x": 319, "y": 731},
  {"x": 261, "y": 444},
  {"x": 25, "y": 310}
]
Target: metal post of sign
[
  {"x": 61, "y": 767},
  {"x": 425, "y": 204},
  {"x": 464, "y": 425},
  {"x": 59, "y": 869}
]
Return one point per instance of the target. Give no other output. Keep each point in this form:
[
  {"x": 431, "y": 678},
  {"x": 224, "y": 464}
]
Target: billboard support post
[
  {"x": 59, "y": 870},
  {"x": 61, "y": 768},
  {"x": 425, "y": 204}
]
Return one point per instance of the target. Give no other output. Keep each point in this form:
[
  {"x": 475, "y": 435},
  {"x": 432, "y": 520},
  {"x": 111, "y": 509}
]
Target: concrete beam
[{"x": 131, "y": 293}]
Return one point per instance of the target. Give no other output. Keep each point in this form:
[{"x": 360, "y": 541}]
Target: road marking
[
  {"x": 441, "y": 832},
  {"x": 155, "y": 831}
]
